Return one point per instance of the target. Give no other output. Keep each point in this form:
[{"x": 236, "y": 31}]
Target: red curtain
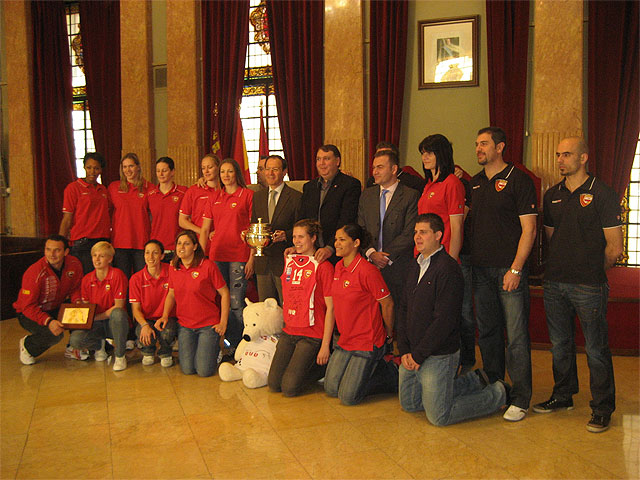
[
  {"x": 225, "y": 35},
  {"x": 296, "y": 36},
  {"x": 614, "y": 118},
  {"x": 52, "y": 100},
  {"x": 388, "y": 52},
  {"x": 100, "y": 23},
  {"x": 507, "y": 42}
]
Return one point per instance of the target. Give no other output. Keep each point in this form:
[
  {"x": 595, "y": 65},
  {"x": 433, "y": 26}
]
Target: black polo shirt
[
  {"x": 576, "y": 250},
  {"x": 496, "y": 208}
]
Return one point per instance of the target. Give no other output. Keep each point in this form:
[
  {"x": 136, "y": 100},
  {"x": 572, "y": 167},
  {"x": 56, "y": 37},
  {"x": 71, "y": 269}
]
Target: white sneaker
[
  {"x": 75, "y": 353},
  {"x": 101, "y": 354},
  {"x": 120, "y": 363},
  {"x": 147, "y": 359},
  {"x": 166, "y": 361},
  {"x": 514, "y": 414},
  {"x": 25, "y": 356}
]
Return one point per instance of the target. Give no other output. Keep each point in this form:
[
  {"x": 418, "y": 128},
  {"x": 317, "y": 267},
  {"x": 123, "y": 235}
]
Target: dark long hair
[
  {"x": 356, "y": 232},
  {"x": 440, "y": 146},
  {"x": 239, "y": 176},
  {"x": 198, "y": 254}
]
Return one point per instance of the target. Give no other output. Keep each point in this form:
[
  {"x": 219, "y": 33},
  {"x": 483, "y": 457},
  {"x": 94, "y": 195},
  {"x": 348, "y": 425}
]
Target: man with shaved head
[{"x": 582, "y": 223}]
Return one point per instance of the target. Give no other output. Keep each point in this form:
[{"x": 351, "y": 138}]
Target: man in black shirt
[
  {"x": 582, "y": 223},
  {"x": 503, "y": 214}
]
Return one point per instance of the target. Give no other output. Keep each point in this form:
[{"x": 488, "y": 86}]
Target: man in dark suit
[
  {"x": 405, "y": 178},
  {"x": 390, "y": 227},
  {"x": 332, "y": 199},
  {"x": 278, "y": 205}
]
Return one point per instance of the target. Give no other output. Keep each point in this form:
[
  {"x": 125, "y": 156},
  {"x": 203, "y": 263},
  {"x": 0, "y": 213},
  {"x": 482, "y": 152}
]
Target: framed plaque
[
  {"x": 77, "y": 315},
  {"x": 448, "y": 52}
]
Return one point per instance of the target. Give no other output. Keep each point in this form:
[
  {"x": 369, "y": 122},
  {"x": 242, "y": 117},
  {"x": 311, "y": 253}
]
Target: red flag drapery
[
  {"x": 240, "y": 148},
  {"x": 263, "y": 149}
]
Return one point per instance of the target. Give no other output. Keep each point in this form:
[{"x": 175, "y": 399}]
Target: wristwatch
[{"x": 516, "y": 272}]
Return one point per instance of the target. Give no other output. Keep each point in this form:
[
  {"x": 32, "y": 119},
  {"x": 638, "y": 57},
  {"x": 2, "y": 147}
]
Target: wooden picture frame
[
  {"x": 77, "y": 316},
  {"x": 448, "y": 54}
]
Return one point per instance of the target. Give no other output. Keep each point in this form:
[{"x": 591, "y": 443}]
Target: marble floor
[{"x": 63, "y": 418}]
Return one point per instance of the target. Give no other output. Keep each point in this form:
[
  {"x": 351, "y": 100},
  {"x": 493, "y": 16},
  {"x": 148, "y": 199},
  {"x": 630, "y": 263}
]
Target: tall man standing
[
  {"x": 332, "y": 199},
  {"x": 279, "y": 205},
  {"x": 45, "y": 286},
  {"x": 388, "y": 211},
  {"x": 503, "y": 212},
  {"x": 582, "y": 223}
]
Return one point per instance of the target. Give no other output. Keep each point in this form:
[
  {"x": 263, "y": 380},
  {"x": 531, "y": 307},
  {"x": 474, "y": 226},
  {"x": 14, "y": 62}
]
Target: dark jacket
[{"x": 430, "y": 324}]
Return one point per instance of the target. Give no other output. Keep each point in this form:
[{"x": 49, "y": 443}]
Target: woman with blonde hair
[{"x": 130, "y": 221}]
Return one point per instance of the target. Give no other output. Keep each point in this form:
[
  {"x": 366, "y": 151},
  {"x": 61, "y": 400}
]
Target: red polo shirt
[
  {"x": 104, "y": 293},
  {"x": 89, "y": 205},
  {"x": 230, "y": 215},
  {"x": 195, "y": 201},
  {"x": 42, "y": 291},
  {"x": 150, "y": 292},
  {"x": 445, "y": 198},
  {"x": 131, "y": 225},
  {"x": 164, "y": 208},
  {"x": 195, "y": 289},
  {"x": 356, "y": 291},
  {"x": 304, "y": 286}
]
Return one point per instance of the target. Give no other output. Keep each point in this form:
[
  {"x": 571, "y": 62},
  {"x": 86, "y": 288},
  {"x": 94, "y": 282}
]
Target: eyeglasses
[{"x": 273, "y": 169}]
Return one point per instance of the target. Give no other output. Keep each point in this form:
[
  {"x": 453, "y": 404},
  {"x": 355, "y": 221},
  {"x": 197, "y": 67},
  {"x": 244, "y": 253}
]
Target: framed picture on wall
[{"x": 448, "y": 52}]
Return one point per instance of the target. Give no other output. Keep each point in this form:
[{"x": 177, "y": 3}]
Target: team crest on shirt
[
  {"x": 104, "y": 195},
  {"x": 70, "y": 273},
  {"x": 141, "y": 195},
  {"x": 346, "y": 284},
  {"x": 431, "y": 194},
  {"x": 585, "y": 199},
  {"x": 195, "y": 274},
  {"x": 500, "y": 184},
  {"x": 307, "y": 273},
  {"x": 233, "y": 205},
  {"x": 165, "y": 286},
  {"x": 175, "y": 199},
  {"x": 107, "y": 287}
]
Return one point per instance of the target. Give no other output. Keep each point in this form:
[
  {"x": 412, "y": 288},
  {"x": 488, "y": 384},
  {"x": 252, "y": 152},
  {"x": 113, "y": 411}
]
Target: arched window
[
  {"x": 631, "y": 214},
  {"x": 258, "y": 89}
]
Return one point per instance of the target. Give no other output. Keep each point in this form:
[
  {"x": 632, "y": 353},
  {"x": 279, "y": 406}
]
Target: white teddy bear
[{"x": 262, "y": 327}]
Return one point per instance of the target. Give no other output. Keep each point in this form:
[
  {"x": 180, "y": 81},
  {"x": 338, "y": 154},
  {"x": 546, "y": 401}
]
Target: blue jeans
[
  {"x": 496, "y": 311},
  {"x": 468, "y": 324},
  {"x": 164, "y": 338},
  {"x": 41, "y": 338},
  {"x": 233, "y": 274},
  {"x": 562, "y": 301},
  {"x": 198, "y": 350},
  {"x": 352, "y": 375},
  {"x": 445, "y": 398},
  {"x": 116, "y": 327}
]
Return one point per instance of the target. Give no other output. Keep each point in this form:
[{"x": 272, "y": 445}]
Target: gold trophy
[{"x": 259, "y": 236}]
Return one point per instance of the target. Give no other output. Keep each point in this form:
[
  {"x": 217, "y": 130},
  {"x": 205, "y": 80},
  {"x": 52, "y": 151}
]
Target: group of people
[{"x": 405, "y": 260}]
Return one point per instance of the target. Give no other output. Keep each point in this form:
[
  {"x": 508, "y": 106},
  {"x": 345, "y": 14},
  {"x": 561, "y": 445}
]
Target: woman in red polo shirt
[
  {"x": 148, "y": 291},
  {"x": 444, "y": 193},
  {"x": 229, "y": 215},
  {"x": 164, "y": 205},
  {"x": 304, "y": 346},
  {"x": 85, "y": 211},
  {"x": 363, "y": 309},
  {"x": 106, "y": 286},
  {"x": 198, "y": 196},
  {"x": 194, "y": 282},
  {"x": 131, "y": 226}
]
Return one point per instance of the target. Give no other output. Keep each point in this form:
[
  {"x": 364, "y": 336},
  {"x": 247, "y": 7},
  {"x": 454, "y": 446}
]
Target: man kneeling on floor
[{"x": 429, "y": 338}]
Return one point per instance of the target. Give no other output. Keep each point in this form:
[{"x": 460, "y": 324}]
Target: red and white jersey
[
  {"x": 305, "y": 283},
  {"x": 42, "y": 291}
]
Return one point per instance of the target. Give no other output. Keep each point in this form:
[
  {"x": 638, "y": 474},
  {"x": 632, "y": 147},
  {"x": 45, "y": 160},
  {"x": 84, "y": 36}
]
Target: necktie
[
  {"x": 272, "y": 203},
  {"x": 383, "y": 209}
]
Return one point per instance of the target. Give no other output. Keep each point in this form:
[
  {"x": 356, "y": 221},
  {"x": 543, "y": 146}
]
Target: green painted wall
[{"x": 457, "y": 113}]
